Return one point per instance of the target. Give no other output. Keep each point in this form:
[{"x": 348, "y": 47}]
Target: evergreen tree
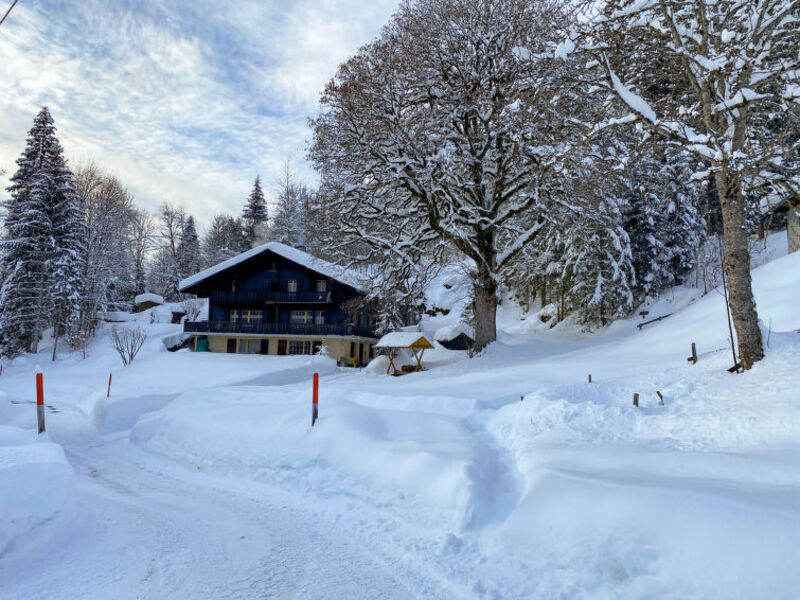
[
  {"x": 642, "y": 221},
  {"x": 225, "y": 239},
  {"x": 683, "y": 225},
  {"x": 67, "y": 266},
  {"x": 255, "y": 216},
  {"x": 42, "y": 246},
  {"x": 188, "y": 250},
  {"x": 289, "y": 224}
]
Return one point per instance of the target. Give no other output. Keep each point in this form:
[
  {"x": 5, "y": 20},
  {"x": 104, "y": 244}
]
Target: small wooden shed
[
  {"x": 393, "y": 342},
  {"x": 147, "y": 300}
]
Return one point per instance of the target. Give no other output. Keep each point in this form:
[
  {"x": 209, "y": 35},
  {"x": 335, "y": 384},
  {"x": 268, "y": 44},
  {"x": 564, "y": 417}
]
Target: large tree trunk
[
  {"x": 793, "y": 226},
  {"x": 485, "y": 311},
  {"x": 737, "y": 269}
]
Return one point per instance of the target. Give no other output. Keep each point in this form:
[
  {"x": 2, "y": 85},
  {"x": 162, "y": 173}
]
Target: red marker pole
[
  {"x": 315, "y": 401},
  {"x": 109, "y": 386},
  {"x": 40, "y": 401}
]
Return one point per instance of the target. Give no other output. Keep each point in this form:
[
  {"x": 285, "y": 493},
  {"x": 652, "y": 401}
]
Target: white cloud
[{"x": 184, "y": 102}]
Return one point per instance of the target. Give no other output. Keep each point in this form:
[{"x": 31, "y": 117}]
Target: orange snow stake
[
  {"x": 315, "y": 400},
  {"x": 40, "y": 401},
  {"x": 108, "y": 394}
]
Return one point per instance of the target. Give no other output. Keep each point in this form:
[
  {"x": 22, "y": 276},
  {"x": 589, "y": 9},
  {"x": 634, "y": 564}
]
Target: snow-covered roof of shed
[
  {"x": 404, "y": 339},
  {"x": 148, "y": 297},
  {"x": 299, "y": 257}
]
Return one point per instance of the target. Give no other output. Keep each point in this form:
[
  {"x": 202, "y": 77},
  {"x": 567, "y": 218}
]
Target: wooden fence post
[
  {"x": 590, "y": 378},
  {"x": 315, "y": 400},
  {"x": 660, "y": 397},
  {"x": 40, "y": 401},
  {"x": 636, "y": 399},
  {"x": 693, "y": 358},
  {"x": 108, "y": 394}
]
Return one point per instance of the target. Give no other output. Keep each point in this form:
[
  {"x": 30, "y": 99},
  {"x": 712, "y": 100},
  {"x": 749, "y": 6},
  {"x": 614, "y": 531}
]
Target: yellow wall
[{"x": 338, "y": 347}]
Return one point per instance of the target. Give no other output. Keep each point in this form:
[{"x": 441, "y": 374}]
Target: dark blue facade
[{"x": 270, "y": 289}]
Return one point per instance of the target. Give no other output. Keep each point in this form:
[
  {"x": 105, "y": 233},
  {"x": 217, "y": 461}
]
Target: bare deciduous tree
[
  {"x": 440, "y": 134},
  {"x": 128, "y": 341},
  {"x": 192, "y": 307}
]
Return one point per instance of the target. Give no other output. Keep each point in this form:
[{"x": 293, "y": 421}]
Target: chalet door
[
  {"x": 315, "y": 346},
  {"x": 231, "y": 349},
  {"x": 264, "y": 346},
  {"x": 282, "y": 347},
  {"x": 361, "y": 354}
]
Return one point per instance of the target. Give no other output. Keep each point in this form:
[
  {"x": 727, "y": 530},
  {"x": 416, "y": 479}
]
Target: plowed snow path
[{"x": 144, "y": 533}]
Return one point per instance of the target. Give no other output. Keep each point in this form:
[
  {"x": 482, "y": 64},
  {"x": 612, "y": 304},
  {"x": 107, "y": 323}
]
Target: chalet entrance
[
  {"x": 231, "y": 347},
  {"x": 281, "y": 347}
]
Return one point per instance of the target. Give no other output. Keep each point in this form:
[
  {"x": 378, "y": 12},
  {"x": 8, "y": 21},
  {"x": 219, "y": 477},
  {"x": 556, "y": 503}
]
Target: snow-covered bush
[{"x": 128, "y": 341}]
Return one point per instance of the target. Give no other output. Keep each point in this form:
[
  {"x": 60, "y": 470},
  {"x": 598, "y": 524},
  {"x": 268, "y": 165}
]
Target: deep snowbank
[
  {"x": 35, "y": 482},
  {"x": 392, "y": 457}
]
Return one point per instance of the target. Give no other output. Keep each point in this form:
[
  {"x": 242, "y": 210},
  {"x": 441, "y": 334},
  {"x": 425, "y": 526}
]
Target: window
[
  {"x": 291, "y": 286},
  {"x": 249, "y": 346},
  {"x": 299, "y": 347},
  {"x": 301, "y": 317},
  {"x": 322, "y": 285},
  {"x": 252, "y": 316},
  {"x": 319, "y": 318},
  {"x": 234, "y": 315}
]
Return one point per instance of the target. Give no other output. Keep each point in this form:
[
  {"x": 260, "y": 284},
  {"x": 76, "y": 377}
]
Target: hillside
[{"x": 508, "y": 475}]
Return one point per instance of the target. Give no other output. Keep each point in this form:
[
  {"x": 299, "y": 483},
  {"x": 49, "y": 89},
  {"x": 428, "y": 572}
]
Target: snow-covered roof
[
  {"x": 451, "y": 332},
  {"x": 148, "y": 297},
  {"x": 299, "y": 257},
  {"x": 114, "y": 316},
  {"x": 403, "y": 339}
]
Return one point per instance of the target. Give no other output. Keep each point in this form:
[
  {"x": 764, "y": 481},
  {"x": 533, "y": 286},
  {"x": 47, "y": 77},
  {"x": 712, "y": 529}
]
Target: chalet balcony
[
  {"x": 200, "y": 327},
  {"x": 264, "y": 297}
]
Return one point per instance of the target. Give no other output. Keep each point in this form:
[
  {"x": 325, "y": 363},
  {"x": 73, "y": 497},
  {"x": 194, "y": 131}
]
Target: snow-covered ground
[{"x": 508, "y": 475}]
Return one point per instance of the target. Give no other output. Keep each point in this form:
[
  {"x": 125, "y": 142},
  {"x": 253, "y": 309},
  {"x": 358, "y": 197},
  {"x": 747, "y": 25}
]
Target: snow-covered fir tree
[
  {"x": 42, "y": 245},
  {"x": 683, "y": 226},
  {"x": 255, "y": 216},
  {"x": 643, "y": 222},
  {"x": 68, "y": 263},
  {"x": 188, "y": 251},
  {"x": 225, "y": 238},
  {"x": 289, "y": 222}
]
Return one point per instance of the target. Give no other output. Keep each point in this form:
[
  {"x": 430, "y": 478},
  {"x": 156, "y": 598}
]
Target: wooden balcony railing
[
  {"x": 277, "y": 329},
  {"x": 263, "y": 297}
]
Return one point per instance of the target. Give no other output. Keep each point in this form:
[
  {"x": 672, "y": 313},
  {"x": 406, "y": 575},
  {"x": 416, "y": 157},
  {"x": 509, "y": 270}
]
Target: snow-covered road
[{"x": 143, "y": 528}]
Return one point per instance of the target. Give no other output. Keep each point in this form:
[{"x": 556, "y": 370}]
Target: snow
[
  {"x": 508, "y": 475},
  {"x": 115, "y": 316},
  {"x": 401, "y": 339},
  {"x": 293, "y": 254},
  {"x": 35, "y": 482},
  {"x": 148, "y": 297}
]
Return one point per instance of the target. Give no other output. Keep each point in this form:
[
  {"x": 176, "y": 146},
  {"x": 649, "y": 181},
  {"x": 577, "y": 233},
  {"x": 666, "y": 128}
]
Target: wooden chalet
[{"x": 278, "y": 300}]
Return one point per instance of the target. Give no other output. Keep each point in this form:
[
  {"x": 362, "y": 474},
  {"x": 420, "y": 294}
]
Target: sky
[{"x": 185, "y": 100}]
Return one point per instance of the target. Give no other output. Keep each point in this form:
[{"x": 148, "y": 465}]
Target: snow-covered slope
[{"x": 508, "y": 475}]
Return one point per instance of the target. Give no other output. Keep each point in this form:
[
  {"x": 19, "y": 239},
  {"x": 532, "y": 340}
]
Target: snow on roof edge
[
  {"x": 293, "y": 254},
  {"x": 148, "y": 297},
  {"x": 400, "y": 339}
]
